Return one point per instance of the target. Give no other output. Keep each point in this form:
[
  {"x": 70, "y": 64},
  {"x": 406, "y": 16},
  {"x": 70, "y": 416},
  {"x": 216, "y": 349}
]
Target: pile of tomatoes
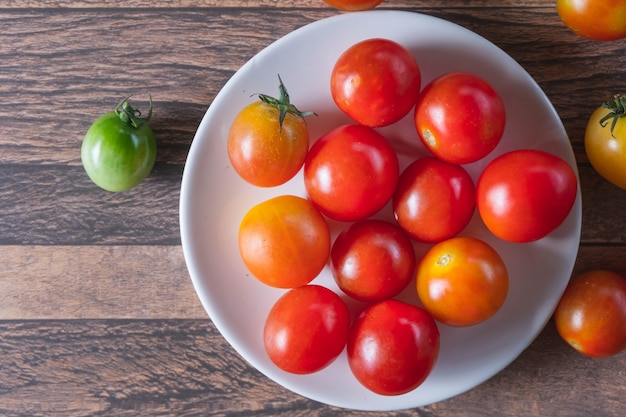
[{"x": 350, "y": 174}]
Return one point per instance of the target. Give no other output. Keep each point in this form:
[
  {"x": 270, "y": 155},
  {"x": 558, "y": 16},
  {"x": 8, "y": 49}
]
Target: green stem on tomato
[
  {"x": 283, "y": 104},
  {"x": 617, "y": 109},
  {"x": 130, "y": 115}
]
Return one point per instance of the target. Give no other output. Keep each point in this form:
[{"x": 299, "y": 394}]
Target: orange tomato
[
  {"x": 602, "y": 20},
  {"x": 284, "y": 241},
  {"x": 591, "y": 315},
  {"x": 353, "y": 5},
  {"x": 462, "y": 281}
]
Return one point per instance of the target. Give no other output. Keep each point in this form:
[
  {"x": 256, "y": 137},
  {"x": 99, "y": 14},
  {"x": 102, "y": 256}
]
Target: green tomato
[{"x": 119, "y": 149}]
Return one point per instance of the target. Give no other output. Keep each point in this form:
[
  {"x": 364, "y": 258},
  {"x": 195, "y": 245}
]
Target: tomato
[
  {"x": 268, "y": 140},
  {"x": 524, "y": 195},
  {"x": 119, "y": 148},
  {"x": 372, "y": 260},
  {"x": 591, "y": 315},
  {"x": 605, "y": 141},
  {"x": 434, "y": 200},
  {"x": 351, "y": 172},
  {"x": 284, "y": 241},
  {"x": 306, "y": 329},
  {"x": 376, "y": 82},
  {"x": 460, "y": 117},
  {"x": 602, "y": 20},
  {"x": 353, "y": 5},
  {"x": 462, "y": 281},
  {"x": 392, "y": 347}
]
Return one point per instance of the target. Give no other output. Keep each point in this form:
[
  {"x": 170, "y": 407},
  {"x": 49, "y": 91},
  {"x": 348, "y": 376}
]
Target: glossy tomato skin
[
  {"x": 601, "y": 20},
  {"x": 607, "y": 152},
  {"x": 376, "y": 82},
  {"x": 284, "y": 241},
  {"x": 260, "y": 151},
  {"x": 353, "y": 5},
  {"x": 306, "y": 329},
  {"x": 372, "y": 260},
  {"x": 524, "y": 195},
  {"x": 116, "y": 155},
  {"x": 351, "y": 172},
  {"x": 462, "y": 281},
  {"x": 434, "y": 200},
  {"x": 392, "y": 347},
  {"x": 460, "y": 117},
  {"x": 591, "y": 315}
]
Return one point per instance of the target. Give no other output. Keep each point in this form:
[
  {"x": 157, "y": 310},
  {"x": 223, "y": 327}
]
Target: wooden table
[{"x": 97, "y": 312}]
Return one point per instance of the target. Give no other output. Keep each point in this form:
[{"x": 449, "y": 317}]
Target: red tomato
[
  {"x": 524, "y": 195},
  {"x": 376, "y": 82},
  {"x": 434, "y": 200},
  {"x": 460, "y": 117},
  {"x": 268, "y": 140},
  {"x": 284, "y": 242},
  {"x": 351, "y": 172},
  {"x": 462, "y": 281},
  {"x": 372, "y": 260},
  {"x": 306, "y": 329},
  {"x": 392, "y": 347},
  {"x": 602, "y": 20},
  {"x": 591, "y": 315},
  {"x": 353, "y": 5}
]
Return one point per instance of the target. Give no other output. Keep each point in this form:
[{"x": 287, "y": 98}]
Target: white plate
[{"x": 214, "y": 199}]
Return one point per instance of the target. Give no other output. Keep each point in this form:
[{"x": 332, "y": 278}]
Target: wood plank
[
  {"x": 185, "y": 368},
  {"x": 143, "y": 282}
]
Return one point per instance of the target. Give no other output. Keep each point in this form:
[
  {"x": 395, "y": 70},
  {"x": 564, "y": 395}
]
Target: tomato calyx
[
  {"x": 283, "y": 104},
  {"x": 132, "y": 116},
  {"x": 617, "y": 109}
]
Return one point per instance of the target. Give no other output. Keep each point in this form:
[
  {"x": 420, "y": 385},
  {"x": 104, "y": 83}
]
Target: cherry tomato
[
  {"x": 372, "y": 260},
  {"x": 353, "y": 5},
  {"x": 462, "y": 281},
  {"x": 284, "y": 241},
  {"x": 434, "y": 200},
  {"x": 268, "y": 140},
  {"x": 376, "y": 82},
  {"x": 119, "y": 148},
  {"x": 351, "y": 172},
  {"x": 392, "y": 347},
  {"x": 602, "y": 20},
  {"x": 524, "y": 195},
  {"x": 460, "y": 117},
  {"x": 591, "y": 315},
  {"x": 306, "y": 329},
  {"x": 605, "y": 141}
]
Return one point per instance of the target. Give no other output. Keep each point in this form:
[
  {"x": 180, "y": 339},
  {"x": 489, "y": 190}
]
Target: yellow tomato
[{"x": 605, "y": 141}]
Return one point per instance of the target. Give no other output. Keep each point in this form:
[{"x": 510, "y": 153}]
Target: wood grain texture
[
  {"x": 170, "y": 368},
  {"x": 98, "y": 315}
]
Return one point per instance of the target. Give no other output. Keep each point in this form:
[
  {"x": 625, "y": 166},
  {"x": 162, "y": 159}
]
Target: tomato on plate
[
  {"x": 460, "y": 117},
  {"x": 524, "y": 195},
  {"x": 602, "y": 20},
  {"x": 605, "y": 141},
  {"x": 434, "y": 200},
  {"x": 462, "y": 281},
  {"x": 351, "y": 172},
  {"x": 284, "y": 241},
  {"x": 353, "y": 5},
  {"x": 268, "y": 140},
  {"x": 591, "y": 315},
  {"x": 372, "y": 260},
  {"x": 376, "y": 82},
  {"x": 392, "y": 347},
  {"x": 306, "y": 329},
  {"x": 119, "y": 148}
]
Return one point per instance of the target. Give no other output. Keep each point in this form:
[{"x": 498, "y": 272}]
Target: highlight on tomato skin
[{"x": 591, "y": 315}]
